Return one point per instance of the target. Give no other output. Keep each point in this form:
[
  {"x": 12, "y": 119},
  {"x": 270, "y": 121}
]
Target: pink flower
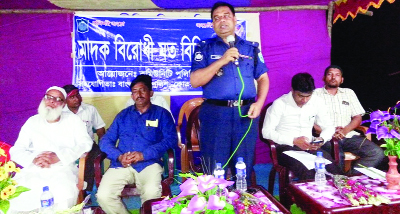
[
  {"x": 222, "y": 183},
  {"x": 215, "y": 203},
  {"x": 197, "y": 203},
  {"x": 206, "y": 182},
  {"x": 186, "y": 211}
]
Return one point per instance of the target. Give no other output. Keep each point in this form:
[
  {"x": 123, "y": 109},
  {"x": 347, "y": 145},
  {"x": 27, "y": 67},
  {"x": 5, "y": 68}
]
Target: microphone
[{"x": 231, "y": 40}]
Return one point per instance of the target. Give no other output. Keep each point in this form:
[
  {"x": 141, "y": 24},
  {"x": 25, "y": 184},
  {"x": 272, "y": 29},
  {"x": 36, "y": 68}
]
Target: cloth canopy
[{"x": 344, "y": 8}]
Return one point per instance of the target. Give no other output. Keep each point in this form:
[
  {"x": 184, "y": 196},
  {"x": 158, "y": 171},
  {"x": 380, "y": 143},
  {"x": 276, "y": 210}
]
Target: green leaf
[{"x": 4, "y": 205}]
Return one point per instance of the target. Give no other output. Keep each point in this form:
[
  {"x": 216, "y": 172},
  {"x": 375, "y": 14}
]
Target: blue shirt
[
  {"x": 151, "y": 133},
  {"x": 228, "y": 86}
]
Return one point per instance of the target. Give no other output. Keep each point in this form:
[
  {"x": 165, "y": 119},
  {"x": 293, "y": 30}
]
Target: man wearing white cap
[{"x": 47, "y": 147}]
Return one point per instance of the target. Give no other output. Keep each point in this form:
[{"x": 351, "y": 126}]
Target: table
[
  {"x": 328, "y": 200},
  {"x": 148, "y": 206}
]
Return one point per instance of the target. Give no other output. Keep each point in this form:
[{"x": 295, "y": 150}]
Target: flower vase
[{"x": 393, "y": 176}]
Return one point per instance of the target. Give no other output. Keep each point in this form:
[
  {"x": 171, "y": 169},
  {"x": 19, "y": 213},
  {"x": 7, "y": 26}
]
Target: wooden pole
[{"x": 238, "y": 9}]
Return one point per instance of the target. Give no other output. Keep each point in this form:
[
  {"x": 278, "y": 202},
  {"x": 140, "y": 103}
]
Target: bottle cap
[
  {"x": 319, "y": 154},
  {"x": 240, "y": 159},
  {"x": 218, "y": 165},
  {"x": 45, "y": 188}
]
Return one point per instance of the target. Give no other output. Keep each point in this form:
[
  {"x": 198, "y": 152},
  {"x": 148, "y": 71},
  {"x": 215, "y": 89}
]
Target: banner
[{"x": 109, "y": 52}]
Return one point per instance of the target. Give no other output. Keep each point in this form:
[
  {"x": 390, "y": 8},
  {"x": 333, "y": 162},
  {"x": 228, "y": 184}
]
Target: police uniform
[{"x": 221, "y": 125}]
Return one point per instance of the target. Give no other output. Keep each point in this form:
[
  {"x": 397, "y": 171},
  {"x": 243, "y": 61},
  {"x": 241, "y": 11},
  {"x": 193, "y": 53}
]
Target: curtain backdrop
[{"x": 36, "y": 54}]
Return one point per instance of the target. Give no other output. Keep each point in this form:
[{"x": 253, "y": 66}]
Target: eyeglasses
[
  {"x": 219, "y": 18},
  {"x": 54, "y": 99}
]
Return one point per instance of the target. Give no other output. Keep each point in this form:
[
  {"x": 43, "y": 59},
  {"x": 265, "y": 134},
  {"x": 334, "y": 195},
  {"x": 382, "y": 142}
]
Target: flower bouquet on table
[
  {"x": 356, "y": 193},
  {"x": 207, "y": 194},
  {"x": 8, "y": 186},
  {"x": 385, "y": 124}
]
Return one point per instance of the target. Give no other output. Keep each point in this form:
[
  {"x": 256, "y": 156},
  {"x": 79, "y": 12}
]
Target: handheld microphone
[{"x": 231, "y": 40}]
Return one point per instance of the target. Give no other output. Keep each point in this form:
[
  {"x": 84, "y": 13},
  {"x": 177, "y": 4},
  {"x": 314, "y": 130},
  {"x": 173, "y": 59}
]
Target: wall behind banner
[{"x": 36, "y": 54}]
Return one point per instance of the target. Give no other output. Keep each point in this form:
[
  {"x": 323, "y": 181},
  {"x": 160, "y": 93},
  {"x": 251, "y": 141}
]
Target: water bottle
[
  {"x": 47, "y": 201},
  {"x": 320, "y": 178},
  {"x": 241, "y": 183},
  {"x": 219, "y": 172}
]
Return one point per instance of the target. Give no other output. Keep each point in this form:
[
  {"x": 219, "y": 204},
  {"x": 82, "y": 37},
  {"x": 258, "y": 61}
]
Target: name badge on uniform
[
  {"x": 345, "y": 103},
  {"x": 216, "y": 56},
  {"x": 152, "y": 123}
]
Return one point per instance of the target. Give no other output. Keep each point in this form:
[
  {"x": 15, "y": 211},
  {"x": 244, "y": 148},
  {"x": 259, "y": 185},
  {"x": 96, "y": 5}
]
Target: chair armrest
[
  {"x": 171, "y": 163},
  {"x": 81, "y": 170},
  {"x": 97, "y": 167},
  {"x": 362, "y": 130},
  {"x": 335, "y": 151},
  {"x": 178, "y": 131}
]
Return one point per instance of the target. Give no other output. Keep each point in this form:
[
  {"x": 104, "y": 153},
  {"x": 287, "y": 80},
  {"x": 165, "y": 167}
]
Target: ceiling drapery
[{"x": 344, "y": 8}]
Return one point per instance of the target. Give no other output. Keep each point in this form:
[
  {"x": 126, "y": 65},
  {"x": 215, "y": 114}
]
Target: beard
[{"x": 48, "y": 113}]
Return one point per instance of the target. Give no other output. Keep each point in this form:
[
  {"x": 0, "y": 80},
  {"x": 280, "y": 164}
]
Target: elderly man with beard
[
  {"x": 345, "y": 111},
  {"x": 47, "y": 147},
  {"x": 145, "y": 132}
]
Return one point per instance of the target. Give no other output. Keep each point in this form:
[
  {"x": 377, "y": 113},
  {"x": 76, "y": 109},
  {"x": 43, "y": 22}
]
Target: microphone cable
[{"x": 240, "y": 114}]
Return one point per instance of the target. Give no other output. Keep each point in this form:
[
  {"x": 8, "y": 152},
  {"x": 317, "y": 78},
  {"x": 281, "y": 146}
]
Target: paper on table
[
  {"x": 305, "y": 158},
  {"x": 372, "y": 173}
]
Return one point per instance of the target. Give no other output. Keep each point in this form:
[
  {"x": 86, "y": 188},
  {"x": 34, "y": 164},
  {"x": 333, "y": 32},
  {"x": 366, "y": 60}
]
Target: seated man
[
  {"x": 289, "y": 122},
  {"x": 47, "y": 147},
  {"x": 345, "y": 111},
  {"x": 145, "y": 132},
  {"x": 91, "y": 117},
  {"x": 155, "y": 99}
]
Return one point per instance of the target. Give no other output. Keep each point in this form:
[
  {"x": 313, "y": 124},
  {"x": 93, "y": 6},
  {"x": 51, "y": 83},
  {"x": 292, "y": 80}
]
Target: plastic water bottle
[
  {"x": 219, "y": 172},
  {"x": 320, "y": 178},
  {"x": 47, "y": 201},
  {"x": 241, "y": 183}
]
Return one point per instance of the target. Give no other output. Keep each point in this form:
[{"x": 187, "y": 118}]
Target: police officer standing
[{"x": 215, "y": 67}]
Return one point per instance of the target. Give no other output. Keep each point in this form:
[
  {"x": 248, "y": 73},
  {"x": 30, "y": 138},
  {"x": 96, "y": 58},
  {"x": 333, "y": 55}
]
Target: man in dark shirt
[{"x": 145, "y": 132}]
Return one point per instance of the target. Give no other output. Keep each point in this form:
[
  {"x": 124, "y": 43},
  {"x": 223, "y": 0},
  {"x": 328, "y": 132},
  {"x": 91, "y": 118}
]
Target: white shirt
[
  {"x": 285, "y": 121},
  {"x": 155, "y": 99},
  {"x": 69, "y": 140},
  {"x": 90, "y": 116},
  {"x": 342, "y": 106}
]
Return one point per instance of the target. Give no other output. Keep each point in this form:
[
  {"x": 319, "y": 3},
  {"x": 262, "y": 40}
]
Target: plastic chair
[
  {"x": 192, "y": 141},
  {"x": 130, "y": 189},
  {"x": 185, "y": 112},
  {"x": 285, "y": 175}
]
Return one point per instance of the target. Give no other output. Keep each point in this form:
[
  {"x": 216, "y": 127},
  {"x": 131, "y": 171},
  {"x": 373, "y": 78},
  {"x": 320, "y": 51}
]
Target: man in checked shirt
[{"x": 345, "y": 111}]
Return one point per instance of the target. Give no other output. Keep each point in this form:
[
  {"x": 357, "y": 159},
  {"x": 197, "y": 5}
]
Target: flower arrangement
[
  {"x": 385, "y": 124},
  {"x": 8, "y": 186},
  {"x": 356, "y": 193},
  {"x": 207, "y": 194}
]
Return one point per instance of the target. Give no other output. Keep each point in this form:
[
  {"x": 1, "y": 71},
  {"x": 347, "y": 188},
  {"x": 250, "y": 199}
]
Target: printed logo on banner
[
  {"x": 82, "y": 25},
  {"x": 198, "y": 56}
]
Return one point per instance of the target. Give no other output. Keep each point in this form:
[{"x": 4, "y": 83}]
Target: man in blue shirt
[
  {"x": 145, "y": 132},
  {"x": 215, "y": 67}
]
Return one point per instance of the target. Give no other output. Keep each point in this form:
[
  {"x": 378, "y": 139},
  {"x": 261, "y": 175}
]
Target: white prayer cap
[{"x": 58, "y": 89}]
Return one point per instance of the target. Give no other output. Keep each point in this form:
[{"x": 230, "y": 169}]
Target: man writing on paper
[
  {"x": 345, "y": 111},
  {"x": 145, "y": 132},
  {"x": 215, "y": 66},
  {"x": 47, "y": 147},
  {"x": 289, "y": 122}
]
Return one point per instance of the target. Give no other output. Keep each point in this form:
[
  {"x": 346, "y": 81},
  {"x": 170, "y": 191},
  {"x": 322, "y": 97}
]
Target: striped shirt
[{"x": 342, "y": 106}]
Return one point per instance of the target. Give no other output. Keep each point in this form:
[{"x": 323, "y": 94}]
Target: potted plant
[{"x": 385, "y": 124}]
